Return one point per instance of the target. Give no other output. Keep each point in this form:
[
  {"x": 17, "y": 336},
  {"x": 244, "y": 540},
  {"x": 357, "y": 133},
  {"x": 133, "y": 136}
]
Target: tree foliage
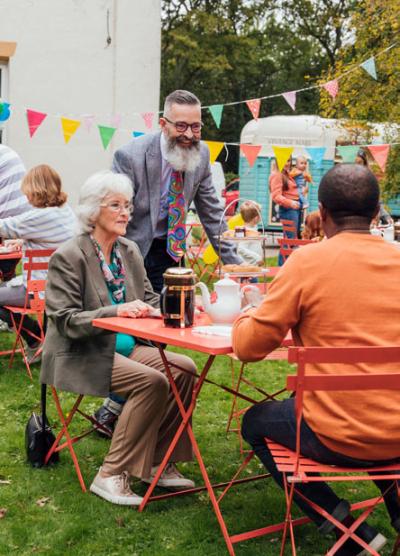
[
  {"x": 376, "y": 27},
  {"x": 232, "y": 50}
]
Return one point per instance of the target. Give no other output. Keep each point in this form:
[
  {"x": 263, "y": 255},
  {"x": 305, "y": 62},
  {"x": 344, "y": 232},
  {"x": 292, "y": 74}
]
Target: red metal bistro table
[{"x": 154, "y": 330}]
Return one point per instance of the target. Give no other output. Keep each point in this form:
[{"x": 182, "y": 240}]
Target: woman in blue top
[{"x": 101, "y": 274}]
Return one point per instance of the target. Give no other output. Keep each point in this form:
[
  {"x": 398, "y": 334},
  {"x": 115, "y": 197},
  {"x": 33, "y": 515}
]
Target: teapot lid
[{"x": 226, "y": 281}]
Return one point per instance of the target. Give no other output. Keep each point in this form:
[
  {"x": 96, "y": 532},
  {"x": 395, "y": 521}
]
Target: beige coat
[{"x": 78, "y": 357}]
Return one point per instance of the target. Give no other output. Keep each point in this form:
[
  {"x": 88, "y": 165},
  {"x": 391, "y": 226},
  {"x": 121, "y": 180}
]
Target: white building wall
[{"x": 63, "y": 66}]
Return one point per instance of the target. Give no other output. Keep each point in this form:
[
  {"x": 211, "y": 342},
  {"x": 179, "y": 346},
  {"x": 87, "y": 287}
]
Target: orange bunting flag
[
  {"x": 215, "y": 148},
  {"x": 34, "y": 120},
  {"x": 380, "y": 154},
  {"x": 250, "y": 152},
  {"x": 254, "y": 107},
  {"x": 332, "y": 87},
  {"x": 282, "y": 155},
  {"x": 69, "y": 127}
]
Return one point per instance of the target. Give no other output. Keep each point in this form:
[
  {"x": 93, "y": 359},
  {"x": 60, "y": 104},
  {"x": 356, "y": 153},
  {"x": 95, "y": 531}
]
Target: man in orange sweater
[{"x": 343, "y": 291}]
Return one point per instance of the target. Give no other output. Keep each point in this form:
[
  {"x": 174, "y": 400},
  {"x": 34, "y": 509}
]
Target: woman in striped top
[{"x": 47, "y": 225}]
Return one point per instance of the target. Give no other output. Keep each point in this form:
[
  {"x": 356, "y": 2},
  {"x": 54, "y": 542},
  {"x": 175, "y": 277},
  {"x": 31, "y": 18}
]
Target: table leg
[{"x": 186, "y": 414}]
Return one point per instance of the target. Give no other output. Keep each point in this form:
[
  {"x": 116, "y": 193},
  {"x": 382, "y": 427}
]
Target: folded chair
[
  {"x": 288, "y": 227},
  {"x": 38, "y": 259},
  {"x": 297, "y": 469},
  {"x": 288, "y": 245}
]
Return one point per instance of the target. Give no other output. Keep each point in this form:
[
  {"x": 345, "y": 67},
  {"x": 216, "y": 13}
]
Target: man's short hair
[
  {"x": 180, "y": 97},
  {"x": 349, "y": 190}
]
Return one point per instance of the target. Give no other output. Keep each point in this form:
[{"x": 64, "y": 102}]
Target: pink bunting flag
[
  {"x": 254, "y": 107},
  {"x": 148, "y": 119},
  {"x": 380, "y": 154},
  {"x": 116, "y": 120},
  {"x": 290, "y": 98},
  {"x": 34, "y": 120},
  {"x": 332, "y": 87},
  {"x": 88, "y": 120},
  {"x": 250, "y": 152}
]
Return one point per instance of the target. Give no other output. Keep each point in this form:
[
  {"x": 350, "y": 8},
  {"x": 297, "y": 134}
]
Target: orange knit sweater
[
  {"x": 343, "y": 291},
  {"x": 283, "y": 198}
]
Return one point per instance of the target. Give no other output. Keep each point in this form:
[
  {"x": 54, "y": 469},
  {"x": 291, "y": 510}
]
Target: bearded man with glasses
[{"x": 171, "y": 166}]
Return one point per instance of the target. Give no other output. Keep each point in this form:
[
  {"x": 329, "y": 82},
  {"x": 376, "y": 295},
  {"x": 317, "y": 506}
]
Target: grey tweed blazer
[
  {"x": 141, "y": 161},
  {"x": 77, "y": 357}
]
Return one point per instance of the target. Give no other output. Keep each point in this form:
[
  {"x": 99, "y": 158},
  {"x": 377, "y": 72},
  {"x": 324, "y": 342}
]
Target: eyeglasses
[
  {"x": 116, "y": 207},
  {"x": 181, "y": 127}
]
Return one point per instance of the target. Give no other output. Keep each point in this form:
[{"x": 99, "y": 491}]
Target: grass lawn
[{"x": 47, "y": 513}]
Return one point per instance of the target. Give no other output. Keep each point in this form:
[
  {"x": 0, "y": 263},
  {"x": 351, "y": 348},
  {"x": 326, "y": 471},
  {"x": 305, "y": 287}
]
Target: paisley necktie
[{"x": 176, "y": 217}]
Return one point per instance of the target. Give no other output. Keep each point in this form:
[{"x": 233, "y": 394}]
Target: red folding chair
[
  {"x": 66, "y": 418},
  {"x": 35, "y": 292},
  {"x": 288, "y": 226},
  {"x": 298, "y": 469},
  {"x": 288, "y": 245},
  {"x": 38, "y": 259},
  {"x": 280, "y": 354}
]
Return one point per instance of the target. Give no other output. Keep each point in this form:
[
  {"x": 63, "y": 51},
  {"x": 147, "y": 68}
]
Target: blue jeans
[
  {"x": 294, "y": 216},
  {"x": 276, "y": 420}
]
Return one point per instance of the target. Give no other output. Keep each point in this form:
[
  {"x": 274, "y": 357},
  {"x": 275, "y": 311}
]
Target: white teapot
[{"x": 229, "y": 300}]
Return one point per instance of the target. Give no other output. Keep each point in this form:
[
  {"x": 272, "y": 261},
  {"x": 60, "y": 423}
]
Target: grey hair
[
  {"x": 93, "y": 193},
  {"x": 180, "y": 97}
]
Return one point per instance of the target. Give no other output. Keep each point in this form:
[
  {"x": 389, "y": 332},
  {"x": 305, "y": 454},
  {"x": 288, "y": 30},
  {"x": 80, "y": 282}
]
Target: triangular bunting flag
[
  {"x": 137, "y": 133},
  {"x": 106, "y": 134},
  {"x": 69, "y": 127},
  {"x": 282, "y": 155},
  {"x": 148, "y": 119},
  {"x": 254, "y": 107},
  {"x": 317, "y": 155},
  {"x": 290, "y": 98},
  {"x": 215, "y": 148},
  {"x": 332, "y": 87},
  {"x": 88, "y": 120},
  {"x": 380, "y": 154},
  {"x": 348, "y": 153},
  {"x": 116, "y": 120},
  {"x": 34, "y": 120},
  {"x": 216, "y": 113},
  {"x": 369, "y": 66},
  {"x": 4, "y": 111},
  {"x": 250, "y": 152}
]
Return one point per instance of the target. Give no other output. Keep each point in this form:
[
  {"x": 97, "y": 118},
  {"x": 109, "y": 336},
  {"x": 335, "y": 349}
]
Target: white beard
[{"x": 182, "y": 159}]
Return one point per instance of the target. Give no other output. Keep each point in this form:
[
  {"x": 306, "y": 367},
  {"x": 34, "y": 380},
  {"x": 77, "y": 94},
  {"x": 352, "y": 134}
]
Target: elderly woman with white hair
[{"x": 101, "y": 274}]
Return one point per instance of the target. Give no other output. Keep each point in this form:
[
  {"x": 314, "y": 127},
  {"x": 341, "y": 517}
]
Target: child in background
[
  {"x": 302, "y": 178},
  {"x": 312, "y": 227},
  {"x": 251, "y": 250}
]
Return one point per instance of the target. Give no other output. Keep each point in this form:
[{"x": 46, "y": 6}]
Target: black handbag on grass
[{"x": 39, "y": 437}]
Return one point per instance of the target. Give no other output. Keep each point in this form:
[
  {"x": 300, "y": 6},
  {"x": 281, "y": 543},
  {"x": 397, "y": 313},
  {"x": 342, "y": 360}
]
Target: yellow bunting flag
[
  {"x": 282, "y": 155},
  {"x": 215, "y": 148},
  {"x": 69, "y": 127}
]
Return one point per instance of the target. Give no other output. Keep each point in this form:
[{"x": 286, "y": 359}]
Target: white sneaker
[
  {"x": 170, "y": 478},
  {"x": 115, "y": 489}
]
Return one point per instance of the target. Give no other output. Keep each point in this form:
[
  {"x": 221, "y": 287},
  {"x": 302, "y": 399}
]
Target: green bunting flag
[
  {"x": 216, "y": 113},
  {"x": 348, "y": 153},
  {"x": 106, "y": 134}
]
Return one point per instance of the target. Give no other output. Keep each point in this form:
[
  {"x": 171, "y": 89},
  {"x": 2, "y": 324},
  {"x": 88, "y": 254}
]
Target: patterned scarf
[{"x": 114, "y": 275}]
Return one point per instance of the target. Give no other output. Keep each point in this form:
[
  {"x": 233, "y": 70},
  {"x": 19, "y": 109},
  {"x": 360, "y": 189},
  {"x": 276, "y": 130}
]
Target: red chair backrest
[
  {"x": 288, "y": 245},
  {"x": 288, "y": 226},
  {"x": 302, "y": 382},
  {"x": 32, "y": 264}
]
